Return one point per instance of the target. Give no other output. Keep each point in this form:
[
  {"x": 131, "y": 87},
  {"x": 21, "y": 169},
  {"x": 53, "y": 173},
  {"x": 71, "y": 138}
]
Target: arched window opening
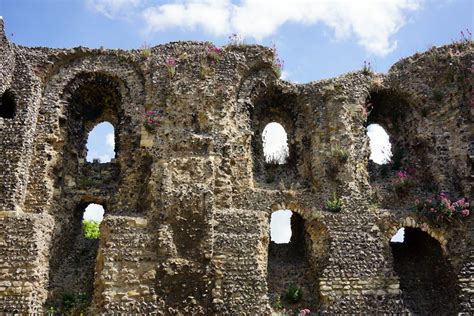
[
  {"x": 280, "y": 227},
  {"x": 287, "y": 251},
  {"x": 7, "y": 105},
  {"x": 380, "y": 146},
  {"x": 93, "y": 215},
  {"x": 101, "y": 143},
  {"x": 275, "y": 144},
  {"x": 423, "y": 269}
]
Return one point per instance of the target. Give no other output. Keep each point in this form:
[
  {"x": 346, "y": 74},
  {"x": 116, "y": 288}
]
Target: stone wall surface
[{"x": 189, "y": 195}]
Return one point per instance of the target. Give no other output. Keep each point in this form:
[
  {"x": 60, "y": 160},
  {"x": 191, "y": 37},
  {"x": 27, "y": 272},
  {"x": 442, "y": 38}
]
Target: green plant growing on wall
[
  {"x": 91, "y": 229},
  {"x": 277, "y": 304},
  {"x": 145, "y": 50},
  {"x": 465, "y": 38},
  {"x": 51, "y": 311},
  {"x": 213, "y": 53},
  {"x": 85, "y": 182},
  {"x": 69, "y": 304},
  {"x": 277, "y": 63},
  {"x": 335, "y": 204},
  {"x": 204, "y": 69},
  {"x": 171, "y": 67},
  {"x": 339, "y": 153},
  {"x": 338, "y": 156},
  {"x": 367, "y": 68},
  {"x": 293, "y": 294}
]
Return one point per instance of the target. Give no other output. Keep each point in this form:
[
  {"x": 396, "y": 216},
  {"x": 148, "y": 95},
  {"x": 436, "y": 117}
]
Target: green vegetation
[
  {"x": 91, "y": 229},
  {"x": 339, "y": 153},
  {"x": 335, "y": 204},
  {"x": 367, "y": 68},
  {"x": 293, "y": 295},
  {"x": 86, "y": 182},
  {"x": 69, "y": 304}
]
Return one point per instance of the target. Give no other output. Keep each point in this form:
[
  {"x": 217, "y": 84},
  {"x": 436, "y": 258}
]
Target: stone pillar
[{"x": 24, "y": 251}]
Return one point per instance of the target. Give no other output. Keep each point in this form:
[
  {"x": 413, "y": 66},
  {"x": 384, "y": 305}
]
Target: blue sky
[{"x": 317, "y": 39}]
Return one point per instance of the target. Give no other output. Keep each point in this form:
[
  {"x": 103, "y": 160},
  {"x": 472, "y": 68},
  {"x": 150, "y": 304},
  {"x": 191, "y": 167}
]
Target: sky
[{"x": 317, "y": 39}]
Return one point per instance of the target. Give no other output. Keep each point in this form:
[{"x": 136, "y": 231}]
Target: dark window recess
[{"x": 7, "y": 105}]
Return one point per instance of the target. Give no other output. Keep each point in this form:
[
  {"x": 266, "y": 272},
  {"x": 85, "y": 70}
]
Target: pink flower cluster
[
  {"x": 404, "y": 181},
  {"x": 406, "y": 174},
  {"x": 213, "y": 53},
  {"x": 305, "y": 311},
  {"x": 402, "y": 175},
  {"x": 171, "y": 66},
  {"x": 152, "y": 117},
  {"x": 278, "y": 63},
  {"x": 441, "y": 207},
  {"x": 171, "y": 62}
]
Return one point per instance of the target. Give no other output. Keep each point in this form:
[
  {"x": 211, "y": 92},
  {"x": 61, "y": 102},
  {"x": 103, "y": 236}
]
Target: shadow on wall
[{"x": 427, "y": 280}]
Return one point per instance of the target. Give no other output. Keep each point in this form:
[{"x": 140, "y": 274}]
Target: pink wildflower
[
  {"x": 465, "y": 212},
  {"x": 402, "y": 174},
  {"x": 305, "y": 311}
]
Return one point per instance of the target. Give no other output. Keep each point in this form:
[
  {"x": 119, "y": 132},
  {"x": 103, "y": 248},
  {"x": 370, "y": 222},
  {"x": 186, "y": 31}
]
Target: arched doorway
[
  {"x": 427, "y": 280},
  {"x": 290, "y": 279},
  {"x": 72, "y": 262}
]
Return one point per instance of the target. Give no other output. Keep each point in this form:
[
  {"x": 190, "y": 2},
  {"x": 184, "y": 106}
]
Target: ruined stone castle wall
[{"x": 188, "y": 199}]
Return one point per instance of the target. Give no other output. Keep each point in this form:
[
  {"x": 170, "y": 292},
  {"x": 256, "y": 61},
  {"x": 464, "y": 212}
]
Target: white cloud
[
  {"x": 371, "y": 22},
  {"x": 211, "y": 15},
  {"x": 114, "y": 8},
  {"x": 110, "y": 140}
]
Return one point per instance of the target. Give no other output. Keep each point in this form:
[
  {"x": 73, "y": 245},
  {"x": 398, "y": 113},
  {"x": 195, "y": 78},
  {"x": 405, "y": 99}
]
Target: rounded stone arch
[
  {"x": 422, "y": 263},
  {"x": 306, "y": 255},
  {"x": 253, "y": 85},
  {"x": 389, "y": 108},
  {"x": 436, "y": 233},
  {"x": 263, "y": 99},
  {"x": 93, "y": 98},
  {"x": 52, "y": 119}
]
